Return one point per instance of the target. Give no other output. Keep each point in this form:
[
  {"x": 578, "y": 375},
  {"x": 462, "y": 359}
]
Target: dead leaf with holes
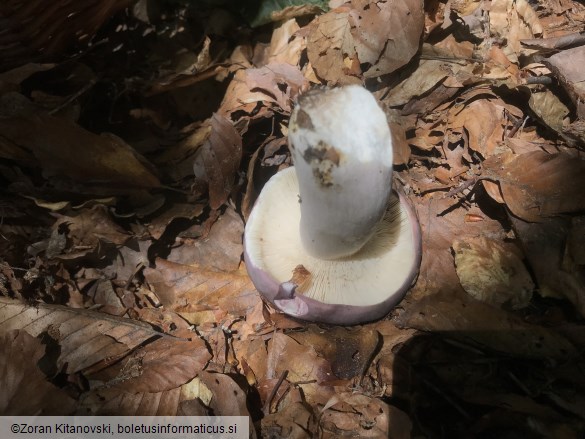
[
  {"x": 273, "y": 86},
  {"x": 386, "y": 34},
  {"x": 331, "y": 48},
  {"x": 303, "y": 366}
]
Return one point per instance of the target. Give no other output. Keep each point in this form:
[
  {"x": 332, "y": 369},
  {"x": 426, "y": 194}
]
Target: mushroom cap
[{"x": 354, "y": 289}]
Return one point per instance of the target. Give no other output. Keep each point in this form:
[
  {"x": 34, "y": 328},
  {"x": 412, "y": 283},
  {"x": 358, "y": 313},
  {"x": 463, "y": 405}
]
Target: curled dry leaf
[
  {"x": 485, "y": 121},
  {"x": 275, "y": 83},
  {"x": 537, "y": 185},
  {"x": 285, "y": 47},
  {"x": 25, "y": 389},
  {"x": 86, "y": 337},
  {"x": 493, "y": 272}
]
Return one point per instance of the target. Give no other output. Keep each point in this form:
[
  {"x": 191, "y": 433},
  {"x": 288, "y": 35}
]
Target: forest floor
[{"x": 130, "y": 164}]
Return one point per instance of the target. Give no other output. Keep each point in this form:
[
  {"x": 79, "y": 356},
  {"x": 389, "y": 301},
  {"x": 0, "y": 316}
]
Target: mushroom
[{"x": 328, "y": 240}]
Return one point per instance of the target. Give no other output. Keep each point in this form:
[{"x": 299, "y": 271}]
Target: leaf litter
[{"x": 128, "y": 173}]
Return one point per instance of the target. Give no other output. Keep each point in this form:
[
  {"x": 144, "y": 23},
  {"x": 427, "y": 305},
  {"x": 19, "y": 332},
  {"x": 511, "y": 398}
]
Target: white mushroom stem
[{"x": 342, "y": 151}]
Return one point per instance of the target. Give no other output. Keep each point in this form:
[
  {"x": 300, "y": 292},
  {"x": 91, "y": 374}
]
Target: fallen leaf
[
  {"x": 220, "y": 250},
  {"x": 197, "y": 293},
  {"x": 548, "y": 108},
  {"x": 25, "y": 389},
  {"x": 365, "y": 416},
  {"x": 538, "y": 185},
  {"x": 478, "y": 323},
  {"x": 331, "y": 49},
  {"x": 162, "y": 365},
  {"x": 348, "y": 350},
  {"x": 544, "y": 244},
  {"x": 492, "y": 272},
  {"x": 85, "y": 337},
  {"x": 221, "y": 154},
  {"x": 54, "y": 143},
  {"x": 386, "y": 34}
]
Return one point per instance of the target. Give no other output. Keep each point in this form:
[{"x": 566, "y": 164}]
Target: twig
[
  {"x": 74, "y": 96},
  {"x": 447, "y": 398},
  {"x": 268, "y": 403},
  {"x": 462, "y": 187}
]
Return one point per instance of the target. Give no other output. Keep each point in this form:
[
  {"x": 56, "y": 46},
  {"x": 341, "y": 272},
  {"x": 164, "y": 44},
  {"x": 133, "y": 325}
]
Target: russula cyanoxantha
[{"x": 328, "y": 240}]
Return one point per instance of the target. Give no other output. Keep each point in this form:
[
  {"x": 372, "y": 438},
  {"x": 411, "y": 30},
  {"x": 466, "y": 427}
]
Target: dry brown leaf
[
  {"x": 349, "y": 351},
  {"x": 112, "y": 402},
  {"x": 440, "y": 227},
  {"x": 221, "y": 154},
  {"x": 485, "y": 121},
  {"x": 285, "y": 47},
  {"x": 85, "y": 337},
  {"x": 303, "y": 365},
  {"x": 472, "y": 321},
  {"x": 221, "y": 249},
  {"x": 280, "y": 81},
  {"x": 512, "y": 21},
  {"x": 386, "y": 34},
  {"x": 544, "y": 245},
  {"x": 365, "y": 416},
  {"x": 331, "y": 49},
  {"x": 55, "y": 143},
  {"x": 492, "y": 271},
  {"x": 162, "y": 365},
  {"x": 383, "y": 366},
  {"x": 295, "y": 421},
  {"x": 10, "y": 80},
  {"x": 228, "y": 399},
  {"x": 537, "y": 185},
  {"x": 275, "y": 83},
  {"x": 567, "y": 67},
  {"x": 90, "y": 226},
  {"x": 25, "y": 389},
  {"x": 200, "y": 294},
  {"x": 428, "y": 75},
  {"x": 548, "y": 108}
]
